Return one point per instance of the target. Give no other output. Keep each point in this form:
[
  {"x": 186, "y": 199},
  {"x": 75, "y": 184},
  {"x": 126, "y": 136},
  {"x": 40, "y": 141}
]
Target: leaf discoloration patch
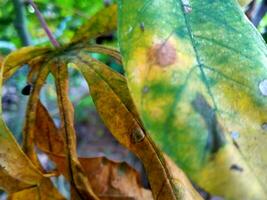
[{"x": 163, "y": 54}]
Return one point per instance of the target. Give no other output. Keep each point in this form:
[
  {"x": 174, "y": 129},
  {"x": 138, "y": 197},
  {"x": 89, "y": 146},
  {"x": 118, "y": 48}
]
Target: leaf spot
[
  {"x": 142, "y": 26},
  {"x": 235, "y": 135},
  {"x": 236, "y": 168},
  {"x": 163, "y": 54},
  {"x": 263, "y": 87},
  {"x": 137, "y": 135}
]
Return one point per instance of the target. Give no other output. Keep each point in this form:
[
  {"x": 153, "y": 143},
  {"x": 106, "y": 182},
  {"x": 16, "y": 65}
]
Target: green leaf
[{"x": 197, "y": 74}]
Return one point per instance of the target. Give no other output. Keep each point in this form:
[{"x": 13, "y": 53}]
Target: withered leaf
[
  {"x": 109, "y": 179},
  {"x": 113, "y": 101}
]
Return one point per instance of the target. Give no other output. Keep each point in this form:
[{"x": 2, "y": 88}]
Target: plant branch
[
  {"x": 20, "y": 23},
  {"x": 44, "y": 24}
]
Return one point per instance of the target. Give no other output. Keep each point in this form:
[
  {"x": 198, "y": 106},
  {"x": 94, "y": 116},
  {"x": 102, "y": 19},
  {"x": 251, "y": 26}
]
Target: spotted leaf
[{"x": 197, "y": 74}]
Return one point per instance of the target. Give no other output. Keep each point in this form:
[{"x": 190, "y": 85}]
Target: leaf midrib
[{"x": 196, "y": 51}]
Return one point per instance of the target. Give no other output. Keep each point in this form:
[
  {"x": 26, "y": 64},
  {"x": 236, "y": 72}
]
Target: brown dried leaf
[
  {"x": 10, "y": 184},
  {"x": 28, "y": 131},
  {"x": 47, "y": 136},
  {"x": 44, "y": 191},
  {"x": 109, "y": 180}
]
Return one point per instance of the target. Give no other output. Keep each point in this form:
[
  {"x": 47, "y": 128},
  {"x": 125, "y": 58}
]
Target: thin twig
[{"x": 44, "y": 24}]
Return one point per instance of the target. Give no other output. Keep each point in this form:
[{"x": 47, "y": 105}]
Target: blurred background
[{"x": 19, "y": 27}]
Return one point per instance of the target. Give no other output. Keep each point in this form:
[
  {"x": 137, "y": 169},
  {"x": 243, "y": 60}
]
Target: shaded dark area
[{"x": 216, "y": 137}]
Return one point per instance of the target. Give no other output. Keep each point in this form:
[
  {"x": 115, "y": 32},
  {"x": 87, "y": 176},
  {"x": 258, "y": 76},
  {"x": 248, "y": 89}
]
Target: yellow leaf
[
  {"x": 113, "y": 101},
  {"x": 81, "y": 188},
  {"x": 16, "y": 168},
  {"x": 10, "y": 184},
  {"x": 104, "y": 22},
  {"x": 115, "y": 54},
  {"x": 244, "y": 2},
  {"x": 20, "y": 57},
  {"x": 44, "y": 191}
]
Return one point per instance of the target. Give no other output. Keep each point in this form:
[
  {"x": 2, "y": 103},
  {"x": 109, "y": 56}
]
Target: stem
[
  {"x": 44, "y": 24},
  {"x": 20, "y": 23},
  {"x": 259, "y": 13}
]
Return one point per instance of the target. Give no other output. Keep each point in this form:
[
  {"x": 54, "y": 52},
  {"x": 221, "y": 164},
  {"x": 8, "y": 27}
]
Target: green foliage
[{"x": 197, "y": 72}]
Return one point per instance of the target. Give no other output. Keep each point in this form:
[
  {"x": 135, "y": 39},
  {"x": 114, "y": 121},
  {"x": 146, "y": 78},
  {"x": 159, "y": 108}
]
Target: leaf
[
  {"x": 81, "y": 188},
  {"x": 19, "y": 190},
  {"x": 113, "y": 101},
  {"x": 20, "y": 57},
  {"x": 114, "y": 180},
  {"x": 10, "y": 184},
  {"x": 45, "y": 191},
  {"x": 108, "y": 179},
  {"x": 104, "y": 22},
  {"x": 19, "y": 176},
  {"x": 244, "y": 2},
  {"x": 13, "y": 160},
  {"x": 197, "y": 72},
  {"x": 105, "y": 50},
  {"x": 37, "y": 77},
  {"x": 46, "y": 135},
  {"x": 39, "y": 60}
]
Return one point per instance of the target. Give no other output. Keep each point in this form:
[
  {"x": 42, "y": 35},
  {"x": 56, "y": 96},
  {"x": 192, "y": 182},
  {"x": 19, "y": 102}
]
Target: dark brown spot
[
  {"x": 236, "y": 168},
  {"x": 142, "y": 26},
  {"x": 137, "y": 135},
  {"x": 163, "y": 54}
]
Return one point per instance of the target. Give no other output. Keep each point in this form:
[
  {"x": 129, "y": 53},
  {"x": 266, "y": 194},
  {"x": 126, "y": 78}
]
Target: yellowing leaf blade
[
  {"x": 120, "y": 116},
  {"x": 81, "y": 188},
  {"x": 20, "y": 57},
  {"x": 104, "y": 22},
  {"x": 195, "y": 71}
]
